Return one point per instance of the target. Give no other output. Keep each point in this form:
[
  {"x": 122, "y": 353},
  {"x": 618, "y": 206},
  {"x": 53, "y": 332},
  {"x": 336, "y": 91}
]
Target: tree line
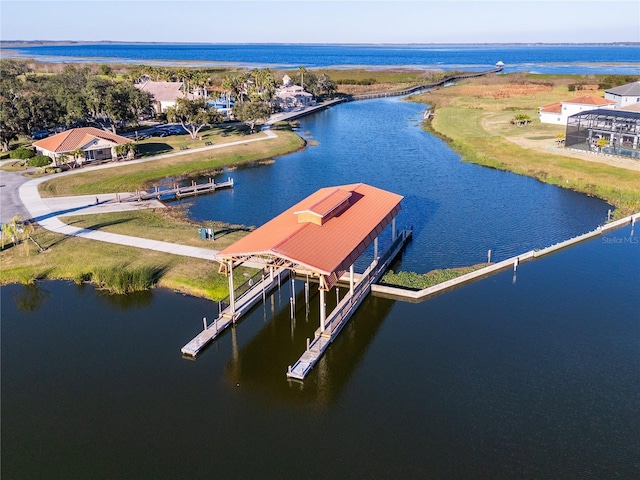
[{"x": 78, "y": 96}]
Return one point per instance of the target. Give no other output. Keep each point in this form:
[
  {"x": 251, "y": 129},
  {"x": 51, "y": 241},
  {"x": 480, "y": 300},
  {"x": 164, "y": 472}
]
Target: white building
[
  {"x": 291, "y": 96},
  {"x": 558, "y": 112},
  {"x": 624, "y": 95}
]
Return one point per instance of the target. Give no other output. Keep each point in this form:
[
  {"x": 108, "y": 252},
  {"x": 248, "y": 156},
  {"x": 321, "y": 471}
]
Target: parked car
[{"x": 39, "y": 134}]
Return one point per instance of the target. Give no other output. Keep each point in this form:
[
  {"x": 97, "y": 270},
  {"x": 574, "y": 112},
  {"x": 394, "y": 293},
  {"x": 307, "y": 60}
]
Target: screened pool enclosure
[{"x": 614, "y": 132}]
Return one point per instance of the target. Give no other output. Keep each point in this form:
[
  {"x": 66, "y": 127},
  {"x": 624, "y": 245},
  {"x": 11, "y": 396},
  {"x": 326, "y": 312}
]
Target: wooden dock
[
  {"x": 344, "y": 310},
  {"x": 177, "y": 191},
  {"x": 242, "y": 305}
]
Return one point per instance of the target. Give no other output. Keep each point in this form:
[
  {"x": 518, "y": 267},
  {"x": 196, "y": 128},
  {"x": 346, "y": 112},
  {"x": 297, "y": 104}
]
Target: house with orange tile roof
[
  {"x": 558, "y": 112},
  {"x": 95, "y": 143}
]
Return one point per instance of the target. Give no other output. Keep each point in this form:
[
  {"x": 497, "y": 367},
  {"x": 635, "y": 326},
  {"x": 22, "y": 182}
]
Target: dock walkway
[
  {"x": 178, "y": 191},
  {"x": 242, "y": 305},
  {"x": 344, "y": 310}
]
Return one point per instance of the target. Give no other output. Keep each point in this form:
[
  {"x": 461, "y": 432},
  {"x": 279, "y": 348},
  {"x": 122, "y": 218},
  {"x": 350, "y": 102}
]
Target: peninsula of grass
[
  {"x": 474, "y": 117},
  {"x": 128, "y": 178},
  {"x": 420, "y": 281}
]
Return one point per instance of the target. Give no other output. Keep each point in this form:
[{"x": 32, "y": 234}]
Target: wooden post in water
[
  {"x": 489, "y": 256},
  {"x": 351, "y": 280},
  {"x": 323, "y": 311},
  {"x": 204, "y": 322}
]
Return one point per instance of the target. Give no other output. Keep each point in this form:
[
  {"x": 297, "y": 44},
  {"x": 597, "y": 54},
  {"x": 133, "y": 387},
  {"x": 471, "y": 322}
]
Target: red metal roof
[
  {"x": 328, "y": 249},
  {"x": 75, "y": 138}
]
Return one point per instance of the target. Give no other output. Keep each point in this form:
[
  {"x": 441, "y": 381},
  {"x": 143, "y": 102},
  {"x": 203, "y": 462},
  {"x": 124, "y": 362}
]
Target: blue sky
[{"x": 323, "y": 21}]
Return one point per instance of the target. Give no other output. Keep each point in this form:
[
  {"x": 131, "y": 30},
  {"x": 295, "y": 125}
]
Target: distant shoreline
[{"x": 44, "y": 43}]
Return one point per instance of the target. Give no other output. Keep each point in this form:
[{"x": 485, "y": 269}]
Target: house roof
[
  {"x": 76, "y": 138},
  {"x": 628, "y": 90},
  {"x": 163, "y": 91},
  {"x": 556, "y": 107},
  {"x": 589, "y": 100},
  {"x": 347, "y": 220}
]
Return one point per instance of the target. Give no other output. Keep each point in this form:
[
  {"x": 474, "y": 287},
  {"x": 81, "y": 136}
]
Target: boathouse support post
[
  {"x": 393, "y": 229},
  {"x": 323, "y": 311},
  {"x": 232, "y": 299},
  {"x": 351, "y": 280},
  {"x": 375, "y": 249}
]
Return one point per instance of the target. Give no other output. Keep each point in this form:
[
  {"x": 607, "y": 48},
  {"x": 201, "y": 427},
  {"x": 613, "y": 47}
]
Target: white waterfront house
[
  {"x": 558, "y": 112},
  {"x": 291, "y": 96}
]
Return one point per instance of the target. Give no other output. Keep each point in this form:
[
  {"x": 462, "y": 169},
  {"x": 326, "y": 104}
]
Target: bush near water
[{"x": 419, "y": 281}]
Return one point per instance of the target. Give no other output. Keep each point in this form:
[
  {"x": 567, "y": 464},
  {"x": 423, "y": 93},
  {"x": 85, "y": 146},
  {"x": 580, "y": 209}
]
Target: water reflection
[
  {"x": 125, "y": 301},
  {"x": 261, "y": 364},
  {"x": 30, "y": 297}
]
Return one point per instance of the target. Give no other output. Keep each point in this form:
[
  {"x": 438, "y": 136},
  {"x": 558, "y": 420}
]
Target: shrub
[
  {"x": 118, "y": 279},
  {"x": 22, "y": 153},
  {"x": 39, "y": 161}
]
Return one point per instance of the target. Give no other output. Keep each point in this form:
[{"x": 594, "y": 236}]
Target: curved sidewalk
[
  {"x": 46, "y": 211},
  {"x": 48, "y": 219}
]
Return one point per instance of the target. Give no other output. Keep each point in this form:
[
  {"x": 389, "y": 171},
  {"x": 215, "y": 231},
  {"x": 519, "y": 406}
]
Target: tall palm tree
[{"x": 302, "y": 70}]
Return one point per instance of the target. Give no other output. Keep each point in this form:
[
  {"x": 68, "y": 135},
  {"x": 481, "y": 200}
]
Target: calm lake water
[
  {"x": 458, "y": 210},
  {"x": 534, "y": 376},
  {"x": 532, "y": 58}
]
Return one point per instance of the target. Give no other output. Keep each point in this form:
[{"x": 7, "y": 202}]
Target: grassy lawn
[
  {"x": 163, "y": 224},
  {"x": 83, "y": 260},
  {"x": 80, "y": 260},
  {"x": 128, "y": 178},
  {"x": 474, "y": 116}
]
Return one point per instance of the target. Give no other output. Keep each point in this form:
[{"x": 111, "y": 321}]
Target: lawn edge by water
[{"x": 458, "y": 120}]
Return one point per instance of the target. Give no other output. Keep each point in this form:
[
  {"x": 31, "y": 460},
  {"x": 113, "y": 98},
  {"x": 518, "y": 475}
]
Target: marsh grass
[
  {"x": 419, "y": 281},
  {"x": 122, "y": 279},
  {"x": 85, "y": 261}
]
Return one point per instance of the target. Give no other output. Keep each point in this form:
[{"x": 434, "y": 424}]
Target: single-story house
[
  {"x": 624, "y": 95},
  {"x": 558, "y": 112},
  {"x": 165, "y": 94},
  {"x": 95, "y": 143}
]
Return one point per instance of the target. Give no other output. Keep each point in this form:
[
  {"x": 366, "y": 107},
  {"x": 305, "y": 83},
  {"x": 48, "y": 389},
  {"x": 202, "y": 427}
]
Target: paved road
[{"x": 10, "y": 204}]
